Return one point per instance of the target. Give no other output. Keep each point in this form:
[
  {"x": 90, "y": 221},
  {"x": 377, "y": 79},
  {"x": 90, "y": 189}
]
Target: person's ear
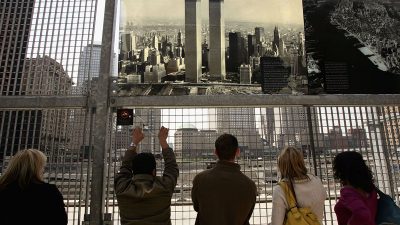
[
  {"x": 237, "y": 154},
  {"x": 154, "y": 172},
  {"x": 216, "y": 153}
]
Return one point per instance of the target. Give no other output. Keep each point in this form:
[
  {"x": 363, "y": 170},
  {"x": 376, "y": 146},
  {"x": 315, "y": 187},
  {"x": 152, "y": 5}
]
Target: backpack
[
  {"x": 296, "y": 215},
  {"x": 388, "y": 212}
]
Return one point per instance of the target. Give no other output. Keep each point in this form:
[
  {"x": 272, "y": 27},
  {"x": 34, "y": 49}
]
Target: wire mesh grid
[
  {"x": 64, "y": 136},
  {"x": 47, "y": 47},
  {"x": 262, "y": 133}
]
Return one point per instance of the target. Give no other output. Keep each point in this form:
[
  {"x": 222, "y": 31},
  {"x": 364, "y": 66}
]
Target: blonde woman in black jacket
[{"x": 25, "y": 198}]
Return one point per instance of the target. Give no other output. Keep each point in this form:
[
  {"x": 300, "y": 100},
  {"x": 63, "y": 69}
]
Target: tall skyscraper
[
  {"x": 155, "y": 42},
  {"x": 237, "y": 52},
  {"x": 46, "y": 76},
  {"x": 301, "y": 49},
  {"x": 128, "y": 42},
  {"x": 268, "y": 125},
  {"x": 251, "y": 45},
  {"x": 18, "y": 129},
  {"x": 259, "y": 32},
  {"x": 282, "y": 48},
  {"x": 15, "y": 23},
  {"x": 275, "y": 42},
  {"x": 155, "y": 57},
  {"x": 150, "y": 121},
  {"x": 240, "y": 122},
  {"x": 180, "y": 44},
  {"x": 217, "y": 39},
  {"x": 192, "y": 40},
  {"x": 89, "y": 65},
  {"x": 294, "y": 126},
  {"x": 205, "y": 55}
]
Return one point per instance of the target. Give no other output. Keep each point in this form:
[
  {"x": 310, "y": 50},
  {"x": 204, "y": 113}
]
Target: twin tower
[{"x": 193, "y": 40}]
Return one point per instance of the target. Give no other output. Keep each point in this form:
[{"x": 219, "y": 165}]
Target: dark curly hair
[{"x": 349, "y": 167}]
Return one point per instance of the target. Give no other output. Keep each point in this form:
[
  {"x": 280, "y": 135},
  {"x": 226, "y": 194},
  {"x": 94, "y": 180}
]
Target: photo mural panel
[
  {"x": 211, "y": 47},
  {"x": 353, "y": 46}
]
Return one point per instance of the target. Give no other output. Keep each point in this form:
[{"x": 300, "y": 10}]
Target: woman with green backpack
[{"x": 299, "y": 197}]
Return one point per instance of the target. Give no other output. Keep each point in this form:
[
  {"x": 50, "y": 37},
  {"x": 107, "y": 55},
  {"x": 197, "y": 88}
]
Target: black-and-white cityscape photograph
[
  {"x": 194, "y": 47},
  {"x": 353, "y": 46}
]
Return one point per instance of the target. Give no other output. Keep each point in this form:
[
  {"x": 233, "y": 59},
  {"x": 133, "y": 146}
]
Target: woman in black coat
[{"x": 24, "y": 197}]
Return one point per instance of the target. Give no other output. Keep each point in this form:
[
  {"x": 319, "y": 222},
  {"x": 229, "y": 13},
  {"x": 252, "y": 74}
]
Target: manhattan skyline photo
[{"x": 210, "y": 48}]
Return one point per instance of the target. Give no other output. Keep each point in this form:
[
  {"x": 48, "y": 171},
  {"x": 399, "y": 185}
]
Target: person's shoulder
[
  {"x": 50, "y": 188},
  {"x": 278, "y": 191},
  {"x": 247, "y": 179},
  {"x": 348, "y": 191},
  {"x": 314, "y": 180},
  {"x": 203, "y": 173}
]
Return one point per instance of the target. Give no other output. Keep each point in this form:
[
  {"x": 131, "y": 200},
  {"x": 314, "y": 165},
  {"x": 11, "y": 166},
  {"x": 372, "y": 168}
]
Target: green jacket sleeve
[
  {"x": 124, "y": 176},
  {"x": 171, "y": 170}
]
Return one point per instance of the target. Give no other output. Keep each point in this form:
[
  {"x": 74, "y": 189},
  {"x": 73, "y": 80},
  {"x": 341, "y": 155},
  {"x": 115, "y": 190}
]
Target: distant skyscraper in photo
[
  {"x": 217, "y": 39},
  {"x": 259, "y": 32},
  {"x": 275, "y": 41},
  {"x": 89, "y": 64},
  {"x": 155, "y": 42},
  {"x": 128, "y": 42},
  {"x": 205, "y": 55},
  {"x": 180, "y": 44},
  {"x": 251, "y": 45},
  {"x": 236, "y": 51},
  {"x": 192, "y": 40},
  {"x": 301, "y": 49}
]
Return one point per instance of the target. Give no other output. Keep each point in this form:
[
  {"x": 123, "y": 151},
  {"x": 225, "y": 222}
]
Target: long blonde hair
[
  {"x": 291, "y": 164},
  {"x": 25, "y": 166}
]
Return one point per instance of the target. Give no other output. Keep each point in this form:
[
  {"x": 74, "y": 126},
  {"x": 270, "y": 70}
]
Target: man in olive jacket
[
  {"x": 143, "y": 198},
  {"x": 223, "y": 195}
]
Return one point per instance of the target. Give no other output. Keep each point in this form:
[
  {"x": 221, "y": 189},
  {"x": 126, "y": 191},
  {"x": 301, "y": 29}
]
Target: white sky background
[
  {"x": 258, "y": 11},
  {"x": 98, "y": 32}
]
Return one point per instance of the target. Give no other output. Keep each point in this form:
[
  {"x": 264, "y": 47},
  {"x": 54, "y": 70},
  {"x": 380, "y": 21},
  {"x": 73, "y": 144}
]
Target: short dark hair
[
  {"x": 350, "y": 167},
  {"x": 226, "y": 146},
  {"x": 143, "y": 163}
]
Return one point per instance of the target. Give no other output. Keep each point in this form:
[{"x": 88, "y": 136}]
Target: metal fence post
[
  {"x": 101, "y": 98},
  {"x": 311, "y": 136}
]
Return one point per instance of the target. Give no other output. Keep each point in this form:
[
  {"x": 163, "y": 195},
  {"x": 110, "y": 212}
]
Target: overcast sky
[{"x": 259, "y": 11}]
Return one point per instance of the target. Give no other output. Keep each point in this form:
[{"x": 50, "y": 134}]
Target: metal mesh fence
[
  {"x": 65, "y": 135},
  {"x": 320, "y": 132},
  {"x": 48, "y": 48}
]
